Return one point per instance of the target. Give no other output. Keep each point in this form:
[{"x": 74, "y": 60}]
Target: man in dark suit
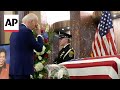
[
  {"x": 22, "y": 44},
  {"x": 67, "y": 52}
]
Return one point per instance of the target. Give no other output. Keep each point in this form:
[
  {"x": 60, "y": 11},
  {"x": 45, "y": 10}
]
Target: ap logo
[{"x": 11, "y": 23}]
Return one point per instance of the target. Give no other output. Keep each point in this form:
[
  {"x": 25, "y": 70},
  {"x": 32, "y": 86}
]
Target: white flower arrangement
[
  {"x": 39, "y": 66},
  {"x": 39, "y": 57},
  {"x": 40, "y": 76},
  {"x": 59, "y": 74},
  {"x": 56, "y": 71},
  {"x": 48, "y": 52},
  {"x": 51, "y": 68}
]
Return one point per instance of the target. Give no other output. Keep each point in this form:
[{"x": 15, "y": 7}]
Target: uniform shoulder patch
[{"x": 71, "y": 53}]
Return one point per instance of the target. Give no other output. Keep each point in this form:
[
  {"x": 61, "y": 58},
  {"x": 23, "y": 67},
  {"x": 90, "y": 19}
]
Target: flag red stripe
[
  {"x": 112, "y": 42},
  {"x": 93, "y": 64},
  {"x": 91, "y": 77},
  {"x": 99, "y": 45},
  {"x": 98, "y": 42},
  {"x": 94, "y": 46},
  {"x": 104, "y": 47},
  {"x": 95, "y": 49}
]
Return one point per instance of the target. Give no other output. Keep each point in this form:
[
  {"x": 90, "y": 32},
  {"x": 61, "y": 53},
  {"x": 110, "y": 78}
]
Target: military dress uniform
[{"x": 66, "y": 53}]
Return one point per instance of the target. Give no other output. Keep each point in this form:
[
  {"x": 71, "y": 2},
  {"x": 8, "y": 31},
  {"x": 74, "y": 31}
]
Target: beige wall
[{"x": 7, "y": 34}]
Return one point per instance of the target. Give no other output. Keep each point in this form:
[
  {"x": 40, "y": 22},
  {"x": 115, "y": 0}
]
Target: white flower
[
  {"x": 39, "y": 57},
  {"x": 57, "y": 71},
  {"x": 40, "y": 76},
  {"x": 60, "y": 74},
  {"x": 52, "y": 69},
  {"x": 39, "y": 66},
  {"x": 31, "y": 76},
  {"x": 43, "y": 50},
  {"x": 48, "y": 52}
]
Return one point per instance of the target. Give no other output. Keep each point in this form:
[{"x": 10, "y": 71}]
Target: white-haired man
[{"x": 22, "y": 44}]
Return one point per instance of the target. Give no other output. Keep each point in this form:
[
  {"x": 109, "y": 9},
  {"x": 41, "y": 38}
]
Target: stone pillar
[
  {"x": 88, "y": 29},
  {"x": 75, "y": 31},
  {"x": 83, "y": 30},
  {"x": 55, "y": 47}
]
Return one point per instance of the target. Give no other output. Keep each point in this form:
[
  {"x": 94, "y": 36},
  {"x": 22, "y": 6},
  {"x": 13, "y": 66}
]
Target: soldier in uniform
[{"x": 66, "y": 53}]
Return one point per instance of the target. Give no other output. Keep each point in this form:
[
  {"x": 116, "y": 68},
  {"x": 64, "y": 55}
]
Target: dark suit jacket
[{"x": 22, "y": 44}]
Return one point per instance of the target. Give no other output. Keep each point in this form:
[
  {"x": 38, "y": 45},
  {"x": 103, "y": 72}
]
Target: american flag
[
  {"x": 104, "y": 42},
  {"x": 94, "y": 68}
]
